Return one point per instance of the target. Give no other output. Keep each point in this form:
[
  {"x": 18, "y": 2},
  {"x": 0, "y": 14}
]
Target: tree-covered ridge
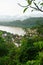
[{"x": 29, "y": 22}]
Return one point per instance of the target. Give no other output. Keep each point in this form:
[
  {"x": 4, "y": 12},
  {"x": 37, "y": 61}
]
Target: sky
[{"x": 11, "y": 8}]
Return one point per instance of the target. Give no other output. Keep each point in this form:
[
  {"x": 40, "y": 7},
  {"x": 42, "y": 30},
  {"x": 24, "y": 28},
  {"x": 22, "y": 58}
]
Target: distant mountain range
[
  {"x": 11, "y": 18},
  {"x": 24, "y": 23}
]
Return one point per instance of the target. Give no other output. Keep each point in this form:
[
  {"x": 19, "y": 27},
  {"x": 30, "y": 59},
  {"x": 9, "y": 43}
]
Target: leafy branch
[{"x": 29, "y": 5}]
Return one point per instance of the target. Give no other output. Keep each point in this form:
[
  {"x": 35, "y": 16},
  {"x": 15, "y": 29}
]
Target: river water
[{"x": 13, "y": 30}]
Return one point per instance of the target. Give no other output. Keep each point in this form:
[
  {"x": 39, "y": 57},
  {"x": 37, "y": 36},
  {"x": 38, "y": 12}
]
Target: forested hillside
[
  {"x": 29, "y": 22},
  {"x": 22, "y": 50}
]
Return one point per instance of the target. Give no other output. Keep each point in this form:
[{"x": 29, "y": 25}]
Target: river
[{"x": 13, "y": 30}]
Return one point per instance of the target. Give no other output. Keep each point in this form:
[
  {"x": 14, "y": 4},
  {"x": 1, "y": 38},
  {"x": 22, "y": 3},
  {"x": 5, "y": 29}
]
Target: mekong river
[{"x": 13, "y": 30}]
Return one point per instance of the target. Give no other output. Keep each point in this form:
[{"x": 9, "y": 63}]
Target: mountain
[
  {"x": 24, "y": 23},
  {"x": 11, "y": 18}
]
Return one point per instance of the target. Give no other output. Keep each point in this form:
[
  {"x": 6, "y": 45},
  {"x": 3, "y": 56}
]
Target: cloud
[{"x": 10, "y": 7}]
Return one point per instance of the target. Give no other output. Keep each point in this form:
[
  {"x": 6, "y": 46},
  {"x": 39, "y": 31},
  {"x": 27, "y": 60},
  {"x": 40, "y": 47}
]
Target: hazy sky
[{"x": 10, "y": 7}]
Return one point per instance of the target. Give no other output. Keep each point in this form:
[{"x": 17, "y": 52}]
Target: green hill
[{"x": 25, "y": 23}]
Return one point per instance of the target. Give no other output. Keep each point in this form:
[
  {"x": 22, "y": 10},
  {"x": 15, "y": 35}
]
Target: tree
[
  {"x": 38, "y": 5},
  {"x": 3, "y": 48},
  {"x": 27, "y": 50}
]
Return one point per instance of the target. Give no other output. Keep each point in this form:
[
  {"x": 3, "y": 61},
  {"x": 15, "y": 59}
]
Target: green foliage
[
  {"x": 39, "y": 45},
  {"x": 34, "y": 5},
  {"x": 3, "y": 47},
  {"x": 41, "y": 63},
  {"x": 4, "y": 60},
  {"x": 29, "y": 2},
  {"x": 29, "y": 53},
  {"x": 41, "y": 4},
  {"x": 40, "y": 28},
  {"x": 33, "y": 62},
  {"x": 25, "y": 10}
]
